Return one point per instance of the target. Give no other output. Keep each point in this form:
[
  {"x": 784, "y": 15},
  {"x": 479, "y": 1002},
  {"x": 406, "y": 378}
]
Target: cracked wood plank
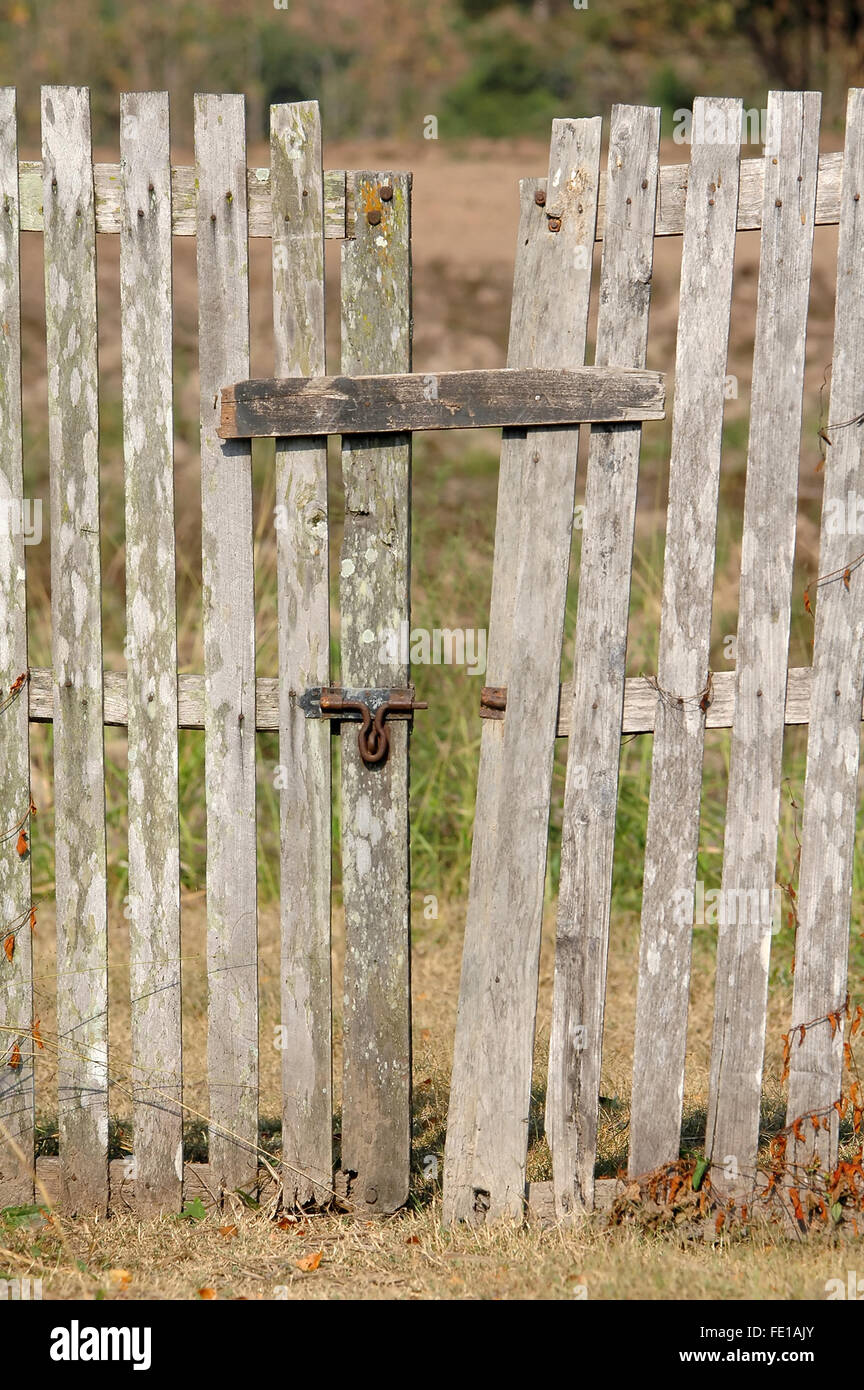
[
  {"x": 833, "y": 747},
  {"x": 591, "y": 786},
  {"x": 151, "y": 650},
  {"x": 672, "y": 839},
  {"x": 767, "y": 556},
  {"x": 439, "y": 401},
  {"x": 304, "y": 660},
  {"x": 229, "y": 647},
  {"x": 79, "y": 782},
  {"x": 17, "y": 1099},
  {"x": 374, "y": 601},
  {"x": 490, "y": 1097}
]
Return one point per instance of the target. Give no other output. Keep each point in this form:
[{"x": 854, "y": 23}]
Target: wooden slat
[
  {"x": 833, "y": 747},
  {"x": 338, "y": 216},
  {"x": 151, "y": 650},
  {"x": 490, "y": 1096},
  {"x": 229, "y": 646},
  {"x": 79, "y": 790},
  {"x": 685, "y": 638},
  {"x": 339, "y": 205},
  {"x": 439, "y": 401},
  {"x": 375, "y": 599},
  {"x": 590, "y": 797},
  {"x": 639, "y": 716},
  {"x": 768, "y": 546},
  {"x": 304, "y": 660},
  {"x": 16, "y": 975}
]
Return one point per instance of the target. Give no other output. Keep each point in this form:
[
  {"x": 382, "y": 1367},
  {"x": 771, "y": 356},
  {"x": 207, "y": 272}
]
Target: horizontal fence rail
[
  {"x": 340, "y": 213},
  {"x": 641, "y": 700}
]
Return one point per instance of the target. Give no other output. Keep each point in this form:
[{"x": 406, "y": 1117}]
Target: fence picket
[
  {"x": 768, "y": 544},
  {"x": 591, "y": 787},
  {"x": 833, "y": 747},
  {"x": 304, "y": 660},
  {"x": 229, "y": 646},
  {"x": 79, "y": 786},
  {"x": 17, "y": 1101},
  {"x": 375, "y": 601},
  {"x": 151, "y": 649},
  {"x": 487, "y": 1131},
  {"x": 685, "y": 634}
]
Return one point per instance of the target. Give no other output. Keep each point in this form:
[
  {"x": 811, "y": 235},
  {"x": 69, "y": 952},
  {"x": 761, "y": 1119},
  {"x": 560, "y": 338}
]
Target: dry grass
[
  {"x": 243, "y": 1255},
  {"x": 260, "y": 1255}
]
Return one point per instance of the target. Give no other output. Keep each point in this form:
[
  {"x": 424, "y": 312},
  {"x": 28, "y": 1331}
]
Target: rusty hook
[{"x": 373, "y": 740}]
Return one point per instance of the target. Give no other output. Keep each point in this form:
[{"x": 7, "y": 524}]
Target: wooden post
[
  {"x": 17, "y": 1099},
  {"x": 487, "y": 1131},
  {"x": 375, "y": 602},
  {"x": 229, "y": 647},
  {"x": 76, "y": 615},
  {"x": 591, "y": 788},
  {"x": 304, "y": 660},
  {"x": 767, "y": 553},
  {"x": 833, "y": 745},
  {"x": 151, "y": 650},
  {"x": 685, "y": 634}
]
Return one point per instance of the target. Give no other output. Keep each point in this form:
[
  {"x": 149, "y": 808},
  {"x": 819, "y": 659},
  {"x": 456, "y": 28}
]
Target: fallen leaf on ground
[
  {"x": 227, "y": 1231},
  {"x": 206, "y": 1293},
  {"x": 310, "y": 1261}
]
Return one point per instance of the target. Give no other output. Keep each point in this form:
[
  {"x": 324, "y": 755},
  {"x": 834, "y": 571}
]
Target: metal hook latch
[{"x": 370, "y": 707}]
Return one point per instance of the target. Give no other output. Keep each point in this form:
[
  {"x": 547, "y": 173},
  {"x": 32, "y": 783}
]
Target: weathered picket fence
[{"x": 297, "y": 205}]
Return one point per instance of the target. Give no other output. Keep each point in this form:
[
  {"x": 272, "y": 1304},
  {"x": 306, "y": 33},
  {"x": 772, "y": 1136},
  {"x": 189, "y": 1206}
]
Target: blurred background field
[{"x": 493, "y": 76}]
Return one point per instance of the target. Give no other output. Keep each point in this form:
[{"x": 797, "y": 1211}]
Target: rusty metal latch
[{"x": 369, "y": 708}]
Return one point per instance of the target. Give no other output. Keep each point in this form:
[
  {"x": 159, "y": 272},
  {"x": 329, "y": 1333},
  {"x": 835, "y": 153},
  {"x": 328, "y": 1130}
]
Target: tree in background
[{"x": 378, "y": 67}]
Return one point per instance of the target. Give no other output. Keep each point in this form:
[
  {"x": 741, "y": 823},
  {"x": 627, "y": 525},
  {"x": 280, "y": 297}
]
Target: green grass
[{"x": 454, "y": 500}]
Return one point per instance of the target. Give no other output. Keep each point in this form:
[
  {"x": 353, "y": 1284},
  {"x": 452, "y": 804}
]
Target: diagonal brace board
[{"x": 439, "y": 401}]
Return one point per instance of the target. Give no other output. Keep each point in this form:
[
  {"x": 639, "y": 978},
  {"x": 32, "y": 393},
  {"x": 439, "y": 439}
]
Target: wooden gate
[{"x": 785, "y": 194}]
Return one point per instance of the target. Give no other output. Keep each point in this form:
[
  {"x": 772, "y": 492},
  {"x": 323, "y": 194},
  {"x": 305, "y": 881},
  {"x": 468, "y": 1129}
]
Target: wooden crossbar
[
  {"x": 281, "y": 407},
  {"x": 641, "y": 700},
  {"x": 339, "y": 211}
]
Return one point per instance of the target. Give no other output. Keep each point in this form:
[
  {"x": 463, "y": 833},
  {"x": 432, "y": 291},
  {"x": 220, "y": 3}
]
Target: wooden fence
[{"x": 297, "y": 205}]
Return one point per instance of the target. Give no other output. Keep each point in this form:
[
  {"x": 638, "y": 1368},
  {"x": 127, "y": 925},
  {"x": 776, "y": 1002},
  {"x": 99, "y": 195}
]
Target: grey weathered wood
[
  {"x": 439, "y": 401},
  {"x": 338, "y": 215},
  {"x": 672, "y": 196},
  {"x": 768, "y": 545},
  {"x": 229, "y": 645},
  {"x": 590, "y": 797},
  {"x": 375, "y": 600},
  {"x": 833, "y": 747},
  {"x": 639, "y": 717},
  {"x": 304, "y": 660},
  {"x": 151, "y": 649},
  {"x": 79, "y": 791},
  {"x": 490, "y": 1096},
  {"x": 339, "y": 203},
  {"x": 685, "y": 637},
  {"x": 17, "y": 1099}
]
